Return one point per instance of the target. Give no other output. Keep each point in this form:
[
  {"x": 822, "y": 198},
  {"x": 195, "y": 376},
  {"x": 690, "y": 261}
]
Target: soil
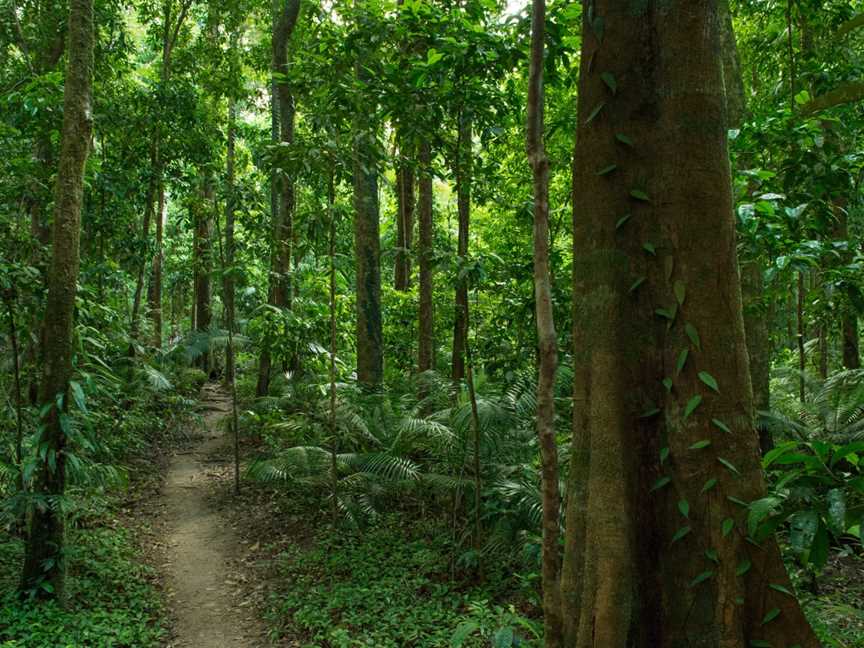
[{"x": 201, "y": 547}]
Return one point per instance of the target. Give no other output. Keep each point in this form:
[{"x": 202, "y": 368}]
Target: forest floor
[{"x": 201, "y": 547}]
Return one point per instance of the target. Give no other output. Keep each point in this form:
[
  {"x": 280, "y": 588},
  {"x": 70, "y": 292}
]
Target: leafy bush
[
  {"x": 392, "y": 587},
  {"x": 111, "y": 601}
]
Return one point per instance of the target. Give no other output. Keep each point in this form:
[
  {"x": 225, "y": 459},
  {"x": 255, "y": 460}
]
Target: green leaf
[
  {"x": 684, "y": 508},
  {"x": 709, "y": 380},
  {"x": 693, "y": 334},
  {"x": 680, "y": 291},
  {"x": 607, "y": 170},
  {"x": 711, "y": 554},
  {"x": 701, "y": 578},
  {"x": 819, "y": 549},
  {"x": 462, "y": 632},
  {"x": 782, "y": 589},
  {"x": 609, "y": 80},
  {"x": 636, "y": 284},
  {"x": 595, "y": 112},
  {"x": 726, "y": 526},
  {"x": 772, "y": 614},
  {"x": 738, "y": 501},
  {"x": 620, "y": 222},
  {"x": 691, "y": 406},
  {"x": 729, "y": 465},
  {"x": 711, "y": 483},
  {"x": 639, "y": 194},
  {"x": 720, "y": 424},
  {"x": 78, "y": 395},
  {"x": 664, "y": 454},
  {"x": 651, "y": 411},
  {"x": 660, "y": 483},
  {"x": 649, "y": 248},
  {"x": 699, "y": 445},
  {"x": 667, "y": 313},
  {"x": 667, "y": 383},
  {"x": 680, "y": 533},
  {"x": 743, "y": 567},
  {"x": 836, "y": 510},
  {"x": 682, "y": 360},
  {"x": 503, "y": 638},
  {"x": 621, "y": 137}
]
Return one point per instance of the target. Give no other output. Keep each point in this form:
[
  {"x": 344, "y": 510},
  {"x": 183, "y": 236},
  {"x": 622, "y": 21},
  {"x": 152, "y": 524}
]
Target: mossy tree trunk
[
  {"x": 404, "y": 219},
  {"x": 656, "y": 552},
  {"x": 425, "y": 315},
  {"x": 44, "y": 562},
  {"x": 202, "y": 266}
]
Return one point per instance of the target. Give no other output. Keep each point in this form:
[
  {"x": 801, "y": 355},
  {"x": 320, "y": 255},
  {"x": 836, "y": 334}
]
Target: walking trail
[{"x": 200, "y": 544}]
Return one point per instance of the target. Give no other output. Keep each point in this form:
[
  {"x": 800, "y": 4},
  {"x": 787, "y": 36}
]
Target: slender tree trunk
[
  {"x": 404, "y": 220},
  {"x": 802, "y": 358},
  {"x": 282, "y": 115},
  {"x": 201, "y": 254},
  {"x": 463, "y": 172},
  {"x": 849, "y": 328},
  {"x": 44, "y": 567},
  {"x": 228, "y": 269},
  {"x": 752, "y": 281},
  {"x": 9, "y": 297},
  {"x": 425, "y": 322},
  {"x": 334, "y": 441},
  {"x": 149, "y": 208},
  {"x": 547, "y": 340},
  {"x": 656, "y": 553}
]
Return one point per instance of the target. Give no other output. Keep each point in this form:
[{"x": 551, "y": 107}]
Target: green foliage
[
  {"x": 111, "y": 600},
  {"x": 391, "y": 586}
]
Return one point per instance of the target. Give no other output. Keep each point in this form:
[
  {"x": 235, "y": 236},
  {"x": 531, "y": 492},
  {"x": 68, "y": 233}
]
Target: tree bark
[
  {"x": 44, "y": 561},
  {"x": 367, "y": 246},
  {"x": 282, "y": 184},
  {"x": 463, "y": 172},
  {"x": 404, "y": 220},
  {"x": 425, "y": 315},
  {"x": 547, "y": 340},
  {"x": 228, "y": 273},
  {"x": 802, "y": 358},
  {"x": 202, "y": 266},
  {"x": 650, "y": 558}
]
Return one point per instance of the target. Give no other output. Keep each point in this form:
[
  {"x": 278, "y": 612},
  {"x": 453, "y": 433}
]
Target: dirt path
[{"x": 200, "y": 544}]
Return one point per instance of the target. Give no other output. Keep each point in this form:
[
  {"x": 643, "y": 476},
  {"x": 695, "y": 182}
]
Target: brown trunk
[
  {"x": 44, "y": 561},
  {"x": 851, "y": 354},
  {"x": 149, "y": 208},
  {"x": 660, "y": 363},
  {"x": 547, "y": 340},
  {"x": 367, "y": 248},
  {"x": 156, "y": 277},
  {"x": 282, "y": 184},
  {"x": 802, "y": 358},
  {"x": 404, "y": 221},
  {"x": 752, "y": 281},
  {"x": 425, "y": 322},
  {"x": 463, "y": 173},
  {"x": 201, "y": 254},
  {"x": 228, "y": 271}
]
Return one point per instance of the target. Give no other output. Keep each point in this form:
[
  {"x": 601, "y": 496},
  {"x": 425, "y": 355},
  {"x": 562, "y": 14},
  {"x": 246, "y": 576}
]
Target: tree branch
[
  {"x": 847, "y": 93},
  {"x": 850, "y": 25}
]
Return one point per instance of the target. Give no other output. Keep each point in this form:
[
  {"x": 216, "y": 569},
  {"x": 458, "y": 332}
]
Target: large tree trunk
[
  {"x": 44, "y": 561},
  {"x": 660, "y": 360},
  {"x": 367, "y": 248},
  {"x": 463, "y": 173},
  {"x": 425, "y": 322},
  {"x": 547, "y": 340}
]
